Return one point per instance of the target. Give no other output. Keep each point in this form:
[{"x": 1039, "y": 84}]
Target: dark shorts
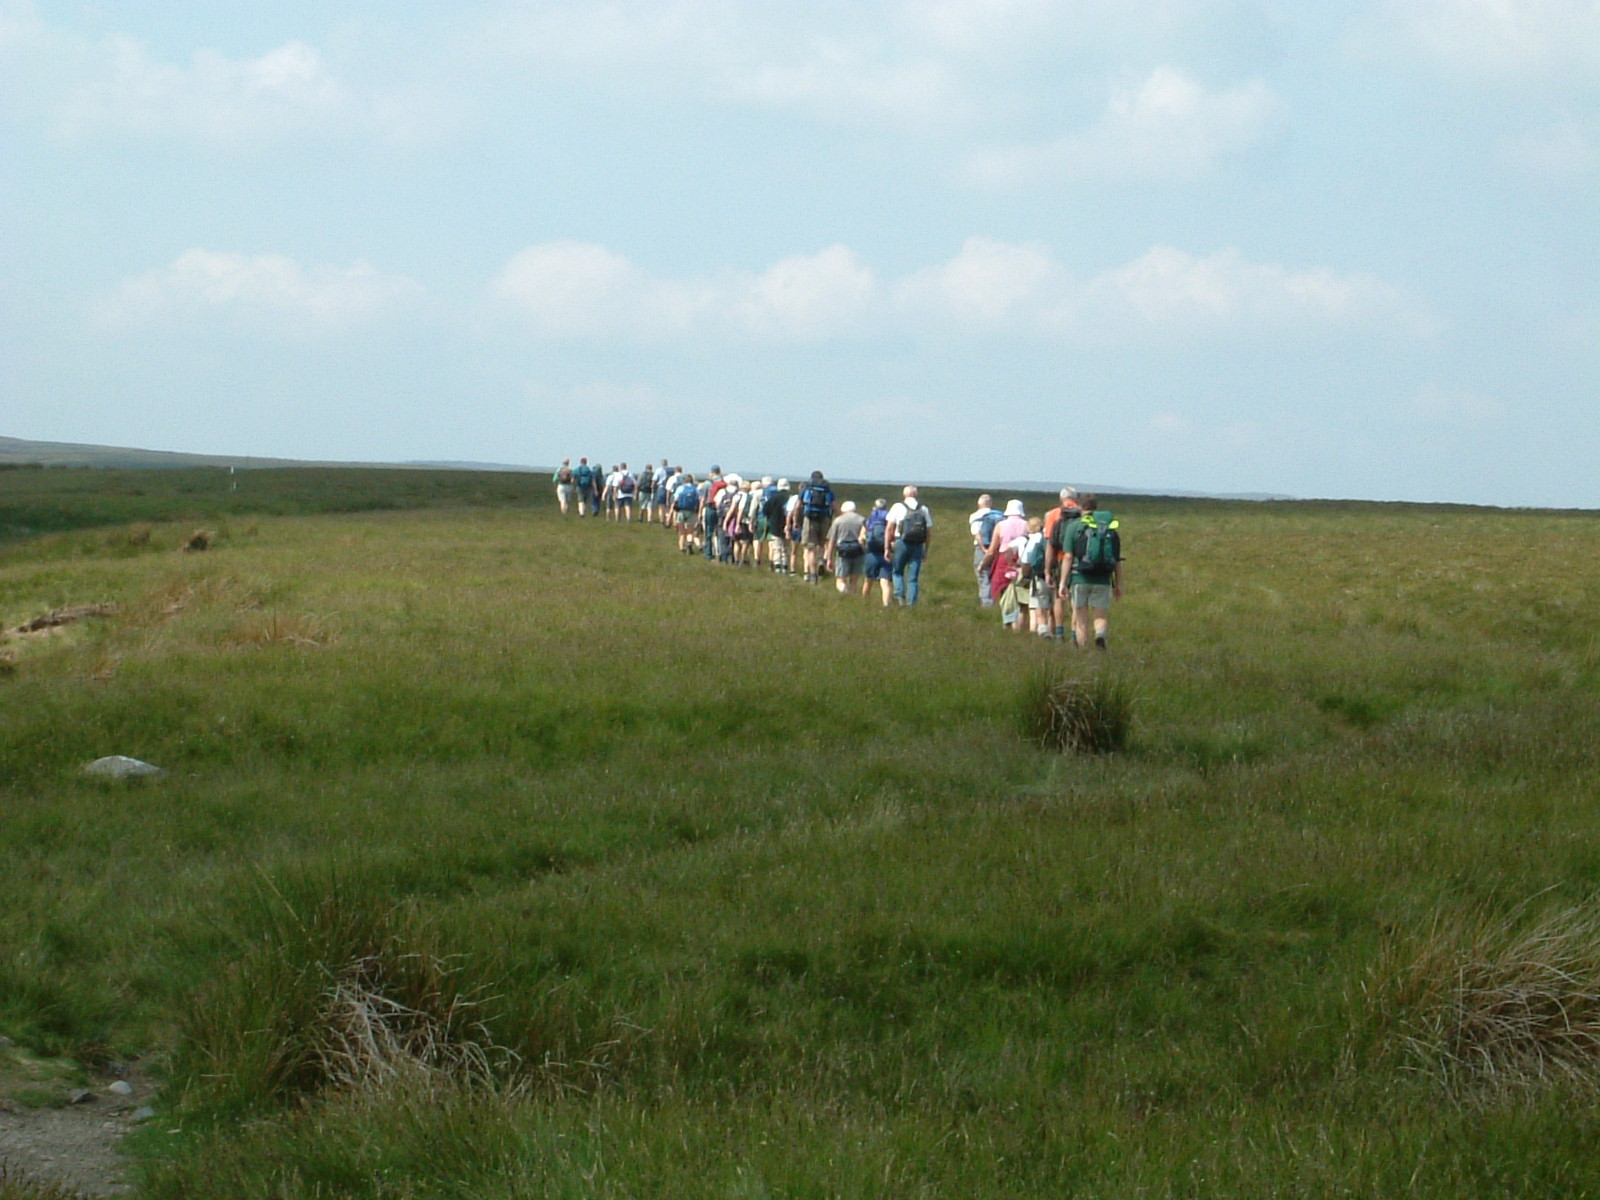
[{"x": 877, "y": 566}]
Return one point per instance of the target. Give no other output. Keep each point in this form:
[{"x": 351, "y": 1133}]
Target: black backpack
[{"x": 914, "y": 526}]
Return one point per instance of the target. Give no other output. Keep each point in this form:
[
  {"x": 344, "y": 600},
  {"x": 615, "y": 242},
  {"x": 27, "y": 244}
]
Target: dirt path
[{"x": 75, "y": 1145}]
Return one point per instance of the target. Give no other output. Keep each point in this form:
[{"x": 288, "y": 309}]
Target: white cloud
[
  {"x": 941, "y": 69},
  {"x": 1167, "y": 288},
  {"x": 989, "y": 288},
  {"x": 806, "y": 297},
  {"x": 989, "y": 283},
  {"x": 572, "y": 289},
  {"x": 1510, "y": 42},
  {"x": 82, "y": 88},
  {"x": 258, "y": 293},
  {"x": 1168, "y": 126}
]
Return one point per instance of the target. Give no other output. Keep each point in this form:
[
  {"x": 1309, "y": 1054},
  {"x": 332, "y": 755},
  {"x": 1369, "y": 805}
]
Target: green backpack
[{"x": 1094, "y": 549}]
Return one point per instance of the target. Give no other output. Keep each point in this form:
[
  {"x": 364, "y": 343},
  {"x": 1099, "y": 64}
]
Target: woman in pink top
[{"x": 1001, "y": 561}]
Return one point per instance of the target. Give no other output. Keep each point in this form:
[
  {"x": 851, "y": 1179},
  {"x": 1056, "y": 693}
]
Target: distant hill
[{"x": 72, "y": 454}]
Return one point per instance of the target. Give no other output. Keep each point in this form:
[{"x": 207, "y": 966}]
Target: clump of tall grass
[
  {"x": 1484, "y": 1003},
  {"x": 336, "y": 991},
  {"x": 1090, "y": 714}
]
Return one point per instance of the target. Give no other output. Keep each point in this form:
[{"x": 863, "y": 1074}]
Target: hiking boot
[{"x": 1099, "y": 643}]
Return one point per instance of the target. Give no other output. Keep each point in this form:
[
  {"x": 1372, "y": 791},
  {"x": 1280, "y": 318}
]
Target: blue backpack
[
  {"x": 817, "y": 500},
  {"x": 877, "y": 523},
  {"x": 687, "y": 497},
  {"x": 986, "y": 526}
]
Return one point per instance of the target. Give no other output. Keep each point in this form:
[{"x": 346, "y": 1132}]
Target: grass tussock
[
  {"x": 365, "y": 1039},
  {"x": 280, "y": 629},
  {"x": 334, "y": 992},
  {"x": 1089, "y": 714},
  {"x": 1487, "y": 1003}
]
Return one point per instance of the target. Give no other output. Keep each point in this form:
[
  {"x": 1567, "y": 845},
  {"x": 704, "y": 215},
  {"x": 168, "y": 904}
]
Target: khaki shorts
[
  {"x": 815, "y": 531},
  {"x": 1091, "y": 595}
]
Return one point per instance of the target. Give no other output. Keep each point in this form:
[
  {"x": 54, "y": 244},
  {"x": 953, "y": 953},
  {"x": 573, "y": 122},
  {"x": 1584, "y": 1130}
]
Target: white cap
[{"x": 1014, "y": 508}]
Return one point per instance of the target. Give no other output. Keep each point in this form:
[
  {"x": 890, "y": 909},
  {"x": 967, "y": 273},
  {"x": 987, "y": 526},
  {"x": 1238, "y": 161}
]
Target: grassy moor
[{"x": 507, "y": 856}]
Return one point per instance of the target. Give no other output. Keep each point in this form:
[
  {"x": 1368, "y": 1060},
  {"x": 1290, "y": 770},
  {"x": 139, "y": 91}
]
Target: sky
[{"x": 1330, "y": 249}]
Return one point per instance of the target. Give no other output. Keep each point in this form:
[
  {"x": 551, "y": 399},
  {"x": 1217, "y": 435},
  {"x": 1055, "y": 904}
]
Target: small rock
[
  {"x": 5, "y": 1041},
  {"x": 80, "y": 1096},
  {"x": 143, "y": 1114},
  {"x": 121, "y": 1088},
  {"x": 119, "y": 1069},
  {"x": 120, "y": 766}
]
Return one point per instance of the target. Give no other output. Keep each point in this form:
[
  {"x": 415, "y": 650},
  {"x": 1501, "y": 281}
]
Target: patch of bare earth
[{"x": 67, "y": 1137}]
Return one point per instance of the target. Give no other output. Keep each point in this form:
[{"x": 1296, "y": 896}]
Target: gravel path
[{"x": 75, "y": 1146}]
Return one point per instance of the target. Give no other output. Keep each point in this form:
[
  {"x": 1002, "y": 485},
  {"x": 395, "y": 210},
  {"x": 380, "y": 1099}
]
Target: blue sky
[{"x": 1319, "y": 249}]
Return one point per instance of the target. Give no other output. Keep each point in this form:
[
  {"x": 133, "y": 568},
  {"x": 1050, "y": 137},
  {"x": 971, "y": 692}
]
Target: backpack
[
  {"x": 817, "y": 500},
  {"x": 877, "y": 523},
  {"x": 986, "y": 526},
  {"x": 626, "y": 486},
  {"x": 914, "y": 526},
  {"x": 687, "y": 497},
  {"x": 1096, "y": 544},
  {"x": 849, "y": 546},
  {"x": 1033, "y": 564},
  {"x": 585, "y": 474},
  {"x": 647, "y": 480},
  {"x": 564, "y": 475}
]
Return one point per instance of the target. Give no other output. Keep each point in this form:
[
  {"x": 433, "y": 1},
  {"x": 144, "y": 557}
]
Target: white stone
[
  {"x": 121, "y": 1088},
  {"x": 120, "y": 766}
]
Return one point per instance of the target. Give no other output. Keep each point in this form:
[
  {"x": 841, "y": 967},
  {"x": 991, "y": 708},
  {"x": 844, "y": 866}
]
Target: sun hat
[
  {"x": 1014, "y": 508},
  {"x": 783, "y": 485},
  {"x": 848, "y": 506}
]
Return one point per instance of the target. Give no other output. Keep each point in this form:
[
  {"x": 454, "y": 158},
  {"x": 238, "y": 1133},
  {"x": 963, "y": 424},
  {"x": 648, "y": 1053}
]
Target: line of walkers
[
  {"x": 803, "y": 531},
  {"x": 1035, "y": 569}
]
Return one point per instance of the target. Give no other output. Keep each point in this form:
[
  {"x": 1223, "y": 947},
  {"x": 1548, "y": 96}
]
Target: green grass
[{"x": 741, "y": 888}]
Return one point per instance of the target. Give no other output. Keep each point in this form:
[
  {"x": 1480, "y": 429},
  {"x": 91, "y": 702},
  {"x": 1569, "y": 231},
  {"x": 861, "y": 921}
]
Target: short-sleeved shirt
[
  {"x": 847, "y": 525},
  {"x": 1069, "y": 535}
]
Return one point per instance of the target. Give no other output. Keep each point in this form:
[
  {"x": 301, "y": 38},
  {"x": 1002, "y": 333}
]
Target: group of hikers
[{"x": 1037, "y": 571}]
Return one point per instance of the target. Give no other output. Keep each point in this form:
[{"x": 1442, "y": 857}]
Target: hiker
[
  {"x": 907, "y": 534},
  {"x": 685, "y": 511},
  {"x": 776, "y": 509},
  {"x": 710, "y": 488},
  {"x": 1033, "y": 579},
  {"x": 763, "y": 522},
  {"x": 647, "y": 493},
  {"x": 1001, "y": 562},
  {"x": 876, "y": 536},
  {"x": 627, "y": 489},
  {"x": 740, "y": 523},
  {"x": 982, "y": 522},
  {"x": 793, "y": 527},
  {"x": 566, "y": 485},
  {"x": 666, "y": 481},
  {"x": 1054, "y": 559},
  {"x": 1095, "y": 579},
  {"x": 846, "y": 553},
  {"x": 583, "y": 476},
  {"x": 816, "y": 515}
]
